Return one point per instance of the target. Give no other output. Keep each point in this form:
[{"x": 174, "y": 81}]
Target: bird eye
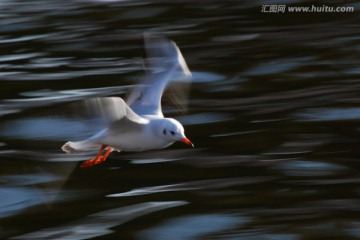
[
  {"x": 164, "y": 131},
  {"x": 172, "y": 132}
]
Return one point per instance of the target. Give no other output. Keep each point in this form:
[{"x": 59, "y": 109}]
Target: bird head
[{"x": 174, "y": 131}]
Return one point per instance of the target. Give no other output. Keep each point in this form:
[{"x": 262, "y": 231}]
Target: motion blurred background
[{"x": 273, "y": 113}]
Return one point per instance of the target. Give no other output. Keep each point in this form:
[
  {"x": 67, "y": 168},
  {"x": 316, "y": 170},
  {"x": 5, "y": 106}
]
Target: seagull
[{"x": 138, "y": 124}]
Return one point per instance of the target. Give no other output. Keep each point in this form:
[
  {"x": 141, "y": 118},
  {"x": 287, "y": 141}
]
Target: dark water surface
[{"x": 274, "y": 114}]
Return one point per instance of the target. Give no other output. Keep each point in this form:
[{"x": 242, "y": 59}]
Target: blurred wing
[
  {"x": 104, "y": 111},
  {"x": 165, "y": 63}
]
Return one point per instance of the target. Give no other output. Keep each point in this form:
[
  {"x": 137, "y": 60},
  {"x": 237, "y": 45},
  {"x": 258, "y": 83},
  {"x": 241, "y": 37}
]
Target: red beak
[{"x": 187, "y": 141}]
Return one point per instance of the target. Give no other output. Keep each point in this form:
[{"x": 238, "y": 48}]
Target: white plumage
[{"x": 139, "y": 124}]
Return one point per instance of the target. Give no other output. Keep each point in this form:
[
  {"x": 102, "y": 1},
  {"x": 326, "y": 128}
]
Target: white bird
[{"x": 139, "y": 124}]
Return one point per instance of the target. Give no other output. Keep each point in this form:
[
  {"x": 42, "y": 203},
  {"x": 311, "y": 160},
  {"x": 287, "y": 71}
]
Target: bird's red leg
[
  {"x": 103, "y": 157},
  {"x": 92, "y": 162}
]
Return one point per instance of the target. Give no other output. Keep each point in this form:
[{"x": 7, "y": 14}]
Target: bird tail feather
[{"x": 71, "y": 147}]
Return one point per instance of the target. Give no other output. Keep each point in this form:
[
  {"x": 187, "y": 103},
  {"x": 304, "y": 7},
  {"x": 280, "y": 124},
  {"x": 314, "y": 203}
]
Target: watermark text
[{"x": 276, "y": 8}]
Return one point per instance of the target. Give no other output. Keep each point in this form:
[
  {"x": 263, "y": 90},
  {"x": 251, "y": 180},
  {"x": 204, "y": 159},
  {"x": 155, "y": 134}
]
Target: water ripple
[
  {"x": 310, "y": 168},
  {"x": 194, "y": 227},
  {"x": 99, "y": 224}
]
